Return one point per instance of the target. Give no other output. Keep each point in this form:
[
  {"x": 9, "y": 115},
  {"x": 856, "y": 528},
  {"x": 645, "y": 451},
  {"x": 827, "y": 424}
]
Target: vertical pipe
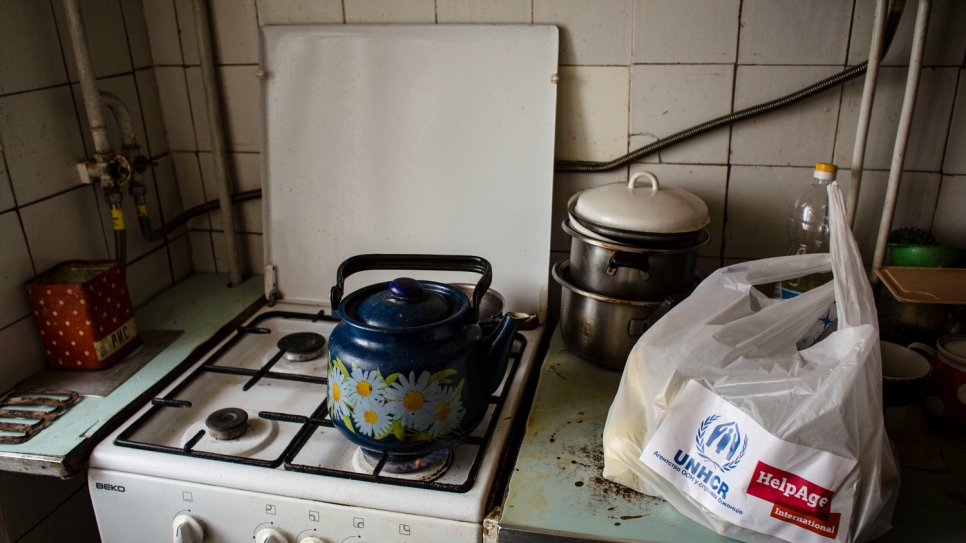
[
  {"x": 865, "y": 110},
  {"x": 217, "y": 130},
  {"x": 902, "y": 135},
  {"x": 85, "y": 70}
]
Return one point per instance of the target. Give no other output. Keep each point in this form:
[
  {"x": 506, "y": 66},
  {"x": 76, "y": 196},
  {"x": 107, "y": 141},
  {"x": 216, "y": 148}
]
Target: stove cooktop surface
[{"x": 288, "y": 446}]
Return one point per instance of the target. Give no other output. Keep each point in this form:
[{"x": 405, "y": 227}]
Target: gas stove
[
  {"x": 423, "y": 139},
  {"x": 289, "y": 475}
]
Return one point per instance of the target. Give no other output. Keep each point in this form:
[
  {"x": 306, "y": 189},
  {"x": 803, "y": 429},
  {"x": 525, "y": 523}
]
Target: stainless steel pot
[
  {"x": 629, "y": 272},
  {"x": 599, "y": 328}
]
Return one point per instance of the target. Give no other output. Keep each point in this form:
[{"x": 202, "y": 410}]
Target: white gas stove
[
  {"x": 290, "y": 475},
  {"x": 377, "y": 139}
]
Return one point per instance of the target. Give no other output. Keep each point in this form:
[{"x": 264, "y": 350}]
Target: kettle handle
[{"x": 474, "y": 264}]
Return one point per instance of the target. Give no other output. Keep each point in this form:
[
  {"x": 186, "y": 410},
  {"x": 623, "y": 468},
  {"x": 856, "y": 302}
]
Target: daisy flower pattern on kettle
[
  {"x": 448, "y": 412},
  {"x": 371, "y": 417},
  {"x": 365, "y": 386},
  {"x": 413, "y": 401},
  {"x": 337, "y": 392}
]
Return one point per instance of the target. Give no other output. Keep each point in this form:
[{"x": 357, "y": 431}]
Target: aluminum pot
[
  {"x": 602, "y": 329},
  {"x": 631, "y": 273}
]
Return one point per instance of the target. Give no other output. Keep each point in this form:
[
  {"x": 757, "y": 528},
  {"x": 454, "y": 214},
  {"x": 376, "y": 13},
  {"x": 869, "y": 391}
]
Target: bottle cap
[{"x": 825, "y": 171}]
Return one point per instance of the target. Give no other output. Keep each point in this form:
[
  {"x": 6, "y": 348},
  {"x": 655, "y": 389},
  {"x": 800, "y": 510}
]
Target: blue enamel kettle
[{"x": 409, "y": 369}]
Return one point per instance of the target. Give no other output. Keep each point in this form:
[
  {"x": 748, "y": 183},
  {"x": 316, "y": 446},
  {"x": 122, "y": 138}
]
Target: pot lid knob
[{"x": 404, "y": 289}]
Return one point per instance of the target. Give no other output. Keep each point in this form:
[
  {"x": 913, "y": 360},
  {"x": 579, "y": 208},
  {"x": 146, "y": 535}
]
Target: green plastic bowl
[{"x": 927, "y": 256}]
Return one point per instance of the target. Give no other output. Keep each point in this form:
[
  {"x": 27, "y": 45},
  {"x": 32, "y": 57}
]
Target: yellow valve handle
[
  {"x": 117, "y": 217},
  {"x": 142, "y": 210}
]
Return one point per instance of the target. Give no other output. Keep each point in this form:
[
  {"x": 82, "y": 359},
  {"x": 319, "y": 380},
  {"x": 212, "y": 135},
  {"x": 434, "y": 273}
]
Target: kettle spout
[{"x": 498, "y": 347}]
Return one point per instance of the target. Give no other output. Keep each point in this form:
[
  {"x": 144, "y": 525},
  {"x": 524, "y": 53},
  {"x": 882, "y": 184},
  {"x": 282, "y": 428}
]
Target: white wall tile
[
  {"x": 234, "y": 31},
  {"x": 914, "y": 206},
  {"x": 106, "y": 38},
  {"x": 23, "y": 353},
  {"x": 190, "y": 186},
  {"x": 175, "y": 108},
  {"x": 666, "y": 99},
  {"x": 398, "y": 11},
  {"x": 758, "y": 205},
  {"x": 592, "y": 115},
  {"x": 245, "y": 171},
  {"x": 162, "y": 23},
  {"x": 6, "y": 190},
  {"x": 169, "y": 192},
  {"x": 686, "y": 31},
  {"x": 66, "y": 227},
  {"x": 927, "y": 136},
  {"x": 637, "y": 141},
  {"x": 955, "y": 161},
  {"x": 157, "y": 142},
  {"x": 186, "y": 31},
  {"x": 793, "y": 32},
  {"x": 288, "y": 12},
  {"x": 123, "y": 87},
  {"x": 251, "y": 249},
  {"x": 137, "y": 32},
  {"x": 149, "y": 277},
  {"x": 242, "y": 106},
  {"x": 30, "y": 55},
  {"x": 15, "y": 269},
  {"x": 42, "y": 142},
  {"x": 798, "y": 135},
  {"x": 945, "y": 41},
  {"x": 591, "y": 34},
  {"x": 706, "y": 182},
  {"x": 949, "y": 224},
  {"x": 199, "y": 107},
  {"x": 202, "y": 257},
  {"x": 179, "y": 252},
  {"x": 484, "y": 11},
  {"x": 566, "y": 185}
]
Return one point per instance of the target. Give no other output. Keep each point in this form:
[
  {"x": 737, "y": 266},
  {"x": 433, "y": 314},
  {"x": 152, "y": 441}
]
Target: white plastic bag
[{"x": 720, "y": 414}]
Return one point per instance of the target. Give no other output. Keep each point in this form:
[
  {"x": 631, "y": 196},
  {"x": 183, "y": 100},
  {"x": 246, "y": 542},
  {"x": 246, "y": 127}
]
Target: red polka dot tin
[{"x": 84, "y": 314}]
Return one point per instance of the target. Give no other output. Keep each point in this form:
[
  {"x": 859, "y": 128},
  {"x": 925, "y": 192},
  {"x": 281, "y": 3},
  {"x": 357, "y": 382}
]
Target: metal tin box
[{"x": 84, "y": 314}]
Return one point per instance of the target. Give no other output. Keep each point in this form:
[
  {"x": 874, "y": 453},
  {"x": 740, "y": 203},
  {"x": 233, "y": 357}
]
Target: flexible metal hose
[{"x": 895, "y": 14}]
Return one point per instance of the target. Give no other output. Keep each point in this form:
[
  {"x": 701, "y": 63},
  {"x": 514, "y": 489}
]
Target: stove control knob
[
  {"x": 270, "y": 535},
  {"x": 187, "y": 529},
  {"x": 312, "y": 539}
]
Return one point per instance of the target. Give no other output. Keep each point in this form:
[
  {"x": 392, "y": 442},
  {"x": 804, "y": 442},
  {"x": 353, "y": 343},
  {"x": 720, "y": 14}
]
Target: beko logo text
[{"x": 112, "y": 488}]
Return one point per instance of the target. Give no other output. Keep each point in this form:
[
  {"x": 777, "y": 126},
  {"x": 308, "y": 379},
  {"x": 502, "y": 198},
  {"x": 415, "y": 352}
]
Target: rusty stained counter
[{"x": 557, "y": 493}]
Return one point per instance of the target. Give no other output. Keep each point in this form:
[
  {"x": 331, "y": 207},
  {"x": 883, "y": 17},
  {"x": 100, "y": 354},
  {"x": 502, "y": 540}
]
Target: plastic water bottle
[{"x": 808, "y": 229}]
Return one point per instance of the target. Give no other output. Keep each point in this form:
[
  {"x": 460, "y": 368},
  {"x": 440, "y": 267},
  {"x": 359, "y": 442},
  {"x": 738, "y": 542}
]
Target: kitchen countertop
[
  {"x": 200, "y": 306},
  {"x": 556, "y": 491}
]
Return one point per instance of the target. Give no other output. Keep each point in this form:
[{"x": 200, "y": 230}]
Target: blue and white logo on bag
[{"x": 724, "y": 445}]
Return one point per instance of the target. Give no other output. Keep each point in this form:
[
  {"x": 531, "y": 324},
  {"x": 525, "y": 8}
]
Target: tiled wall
[
  {"x": 632, "y": 72},
  {"x": 46, "y": 216}
]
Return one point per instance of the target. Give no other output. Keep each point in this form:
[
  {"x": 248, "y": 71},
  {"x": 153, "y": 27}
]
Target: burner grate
[{"x": 318, "y": 419}]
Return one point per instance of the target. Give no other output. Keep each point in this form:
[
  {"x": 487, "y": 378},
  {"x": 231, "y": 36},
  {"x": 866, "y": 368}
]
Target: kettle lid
[{"x": 404, "y": 303}]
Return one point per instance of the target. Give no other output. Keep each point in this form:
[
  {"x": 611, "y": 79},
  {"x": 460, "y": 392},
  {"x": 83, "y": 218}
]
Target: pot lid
[
  {"x": 634, "y": 208},
  {"x": 405, "y": 303}
]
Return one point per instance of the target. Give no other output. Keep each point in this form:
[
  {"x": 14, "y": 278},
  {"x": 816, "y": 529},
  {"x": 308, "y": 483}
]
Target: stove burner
[
  {"x": 302, "y": 346},
  {"x": 227, "y": 423},
  {"x": 428, "y": 467}
]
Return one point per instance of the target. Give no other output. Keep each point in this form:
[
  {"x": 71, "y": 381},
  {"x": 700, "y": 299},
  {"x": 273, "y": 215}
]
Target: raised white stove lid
[{"x": 408, "y": 139}]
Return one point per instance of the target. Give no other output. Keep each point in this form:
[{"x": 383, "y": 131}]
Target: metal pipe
[
  {"x": 217, "y": 129},
  {"x": 85, "y": 70},
  {"x": 902, "y": 135},
  {"x": 123, "y": 117},
  {"x": 865, "y": 110}
]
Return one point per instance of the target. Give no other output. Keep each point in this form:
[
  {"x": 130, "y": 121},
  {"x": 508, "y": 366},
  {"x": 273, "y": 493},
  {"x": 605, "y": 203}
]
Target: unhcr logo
[{"x": 722, "y": 445}]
